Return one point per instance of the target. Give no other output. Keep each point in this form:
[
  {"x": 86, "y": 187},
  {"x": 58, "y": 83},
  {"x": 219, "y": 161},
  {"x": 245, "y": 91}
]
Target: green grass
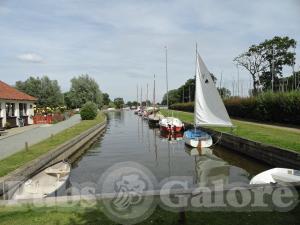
[
  {"x": 94, "y": 216},
  {"x": 20, "y": 158},
  {"x": 272, "y": 136}
]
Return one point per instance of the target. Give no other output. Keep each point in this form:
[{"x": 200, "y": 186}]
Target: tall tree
[
  {"x": 47, "y": 91},
  {"x": 84, "y": 89},
  {"x": 106, "y": 99},
  {"x": 119, "y": 102},
  {"x": 267, "y": 59}
]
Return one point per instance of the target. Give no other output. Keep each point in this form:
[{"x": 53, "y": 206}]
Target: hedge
[{"x": 268, "y": 107}]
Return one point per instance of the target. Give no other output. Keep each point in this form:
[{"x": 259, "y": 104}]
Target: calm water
[{"x": 129, "y": 138}]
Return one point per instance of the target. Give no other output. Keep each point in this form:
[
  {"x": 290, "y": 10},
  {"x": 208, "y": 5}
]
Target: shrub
[
  {"x": 89, "y": 111},
  {"x": 266, "y": 107}
]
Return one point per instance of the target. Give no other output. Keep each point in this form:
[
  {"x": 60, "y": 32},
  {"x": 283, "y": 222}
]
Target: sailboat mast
[
  {"x": 137, "y": 95},
  {"x": 167, "y": 82},
  {"x": 141, "y": 97},
  {"x": 195, "y": 86},
  {"x": 147, "y": 97},
  {"x": 154, "y": 105}
]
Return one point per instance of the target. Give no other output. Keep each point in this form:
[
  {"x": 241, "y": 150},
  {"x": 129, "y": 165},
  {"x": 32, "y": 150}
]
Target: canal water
[{"x": 129, "y": 138}]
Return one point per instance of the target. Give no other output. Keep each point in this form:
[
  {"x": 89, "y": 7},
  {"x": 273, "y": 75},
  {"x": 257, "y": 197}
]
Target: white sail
[{"x": 209, "y": 107}]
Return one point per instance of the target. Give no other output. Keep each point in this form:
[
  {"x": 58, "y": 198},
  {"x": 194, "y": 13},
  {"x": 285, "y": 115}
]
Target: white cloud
[{"x": 30, "y": 57}]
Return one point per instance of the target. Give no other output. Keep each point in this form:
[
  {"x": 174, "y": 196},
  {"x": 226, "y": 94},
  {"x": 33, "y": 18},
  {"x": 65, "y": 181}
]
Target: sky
[{"x": 121, "y": 44}]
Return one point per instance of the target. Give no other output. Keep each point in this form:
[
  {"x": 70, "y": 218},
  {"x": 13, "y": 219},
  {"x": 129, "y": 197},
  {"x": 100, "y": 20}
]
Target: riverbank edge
[
  {"x": 63, "y": 151},
  {"x": 272, "y": 155}
]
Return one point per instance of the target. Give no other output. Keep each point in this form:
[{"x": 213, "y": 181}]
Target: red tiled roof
[{"x": 9, "y": 93}]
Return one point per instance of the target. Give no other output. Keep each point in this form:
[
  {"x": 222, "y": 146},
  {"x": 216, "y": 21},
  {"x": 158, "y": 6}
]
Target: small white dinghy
[
  {"x": 209, "y": 108},
  {"x": 277, "y": 175},
  {"x": 44, "y": 183}
]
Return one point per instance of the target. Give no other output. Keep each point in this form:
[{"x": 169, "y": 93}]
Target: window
[
  {"x": 23, "y": 109},
  {"x": 10, "y": 109}
]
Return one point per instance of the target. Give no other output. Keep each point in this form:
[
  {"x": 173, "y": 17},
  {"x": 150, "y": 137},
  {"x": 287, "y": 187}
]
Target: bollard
[{"x": 26, "y": 146}]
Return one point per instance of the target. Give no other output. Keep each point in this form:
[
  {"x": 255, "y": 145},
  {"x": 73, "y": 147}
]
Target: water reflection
[{"x": 128, "y": 138}]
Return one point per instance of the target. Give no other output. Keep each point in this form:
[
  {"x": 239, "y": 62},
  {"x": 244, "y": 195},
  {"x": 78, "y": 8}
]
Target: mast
[
  {"x": 167, "y": 77},
  {"x": 147, "y": 97},
  {"x": 195, "y": 87},
  {"x": 141, "y": 97},
  {"x": 154, "y": 95},
  {"x": 137, "y": 96}
]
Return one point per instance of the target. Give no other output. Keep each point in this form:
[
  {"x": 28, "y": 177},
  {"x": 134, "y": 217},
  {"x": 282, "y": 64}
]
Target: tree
[
  {"x": 224, "y": 92},
  {"x": 277, "y": 53},
  {"x": 89, "y": 111},
  {"x": 119, "y": 102},
  {"x": 266, "y": 60},
  {"x": 47, "y": 91},
  {"x": 106, "y": 99},
  {"x": 84, "y": 89}
]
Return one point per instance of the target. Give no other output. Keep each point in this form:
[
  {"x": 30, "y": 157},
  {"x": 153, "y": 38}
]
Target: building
[{"x": 16, "y": 107}]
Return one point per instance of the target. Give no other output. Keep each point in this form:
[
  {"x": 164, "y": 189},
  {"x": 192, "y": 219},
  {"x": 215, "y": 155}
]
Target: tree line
[
  {"x": 264, "y": 62},
  {"x": 83, "y": 89}
]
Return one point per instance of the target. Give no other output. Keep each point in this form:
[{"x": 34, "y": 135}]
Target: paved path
[
  {"x": 279, "y": 127},
  {"x": 16, "y": 143}
]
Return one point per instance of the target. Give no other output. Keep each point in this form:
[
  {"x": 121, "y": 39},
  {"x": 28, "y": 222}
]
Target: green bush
[
  {"x": 89, "y": 111},
  {"x": 268, "y": 107},
  {"x": 187, "y": 106}
]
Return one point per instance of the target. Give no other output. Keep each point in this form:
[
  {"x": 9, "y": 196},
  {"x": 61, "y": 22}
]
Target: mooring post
[{"x": 26, "y": 146}]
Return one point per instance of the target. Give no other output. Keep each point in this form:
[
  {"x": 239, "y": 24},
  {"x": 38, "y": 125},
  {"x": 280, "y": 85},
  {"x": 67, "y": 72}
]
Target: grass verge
[
  {"x": 256, "y": 132},
  {"x": 94, "y": 215},
  {"x": 20, "y": 158}
]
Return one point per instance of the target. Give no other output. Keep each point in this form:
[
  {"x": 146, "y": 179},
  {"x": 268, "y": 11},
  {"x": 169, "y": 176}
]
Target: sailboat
[
  {"x": 209, "y": 108},
  {"x": 170, "y": 124}
]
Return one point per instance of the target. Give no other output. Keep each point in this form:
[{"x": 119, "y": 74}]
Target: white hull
[
  {"x": 281, "y": 175},
  {"x": 198, "y": 143},
  {"x": 44, "y": 183}
]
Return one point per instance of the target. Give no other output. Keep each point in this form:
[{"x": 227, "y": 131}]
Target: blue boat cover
[{"x": 195, "y": 134}]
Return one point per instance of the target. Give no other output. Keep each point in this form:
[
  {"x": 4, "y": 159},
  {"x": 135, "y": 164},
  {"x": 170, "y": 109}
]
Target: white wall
[{"x": 3, "y": 113}]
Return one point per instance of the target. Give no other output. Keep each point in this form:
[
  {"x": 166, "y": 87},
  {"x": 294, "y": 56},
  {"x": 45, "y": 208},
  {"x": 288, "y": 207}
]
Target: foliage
[
  {"x": 224, "y": 92},
  {"x": 186, "y": 107},
  {"x": 269, "y": 107},
  {"x": 84, "y": 89},
  {"x": 47, "y": 91},
  {"x": 184, "y": 93},
  {"x": 106, "y": 99},
  {"x": 89, "y": 111},
  {"x": 118, "y": 102},
  {"x": 267, "y": 58},
  {"x": 274, "y": 107}
]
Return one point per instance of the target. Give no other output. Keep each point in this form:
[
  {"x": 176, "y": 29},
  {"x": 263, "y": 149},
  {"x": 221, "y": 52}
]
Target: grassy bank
[
  {"x": 18, "y": 159},
  {"x": 94, "y": 215},
  {"x": 256, "y": 132}
]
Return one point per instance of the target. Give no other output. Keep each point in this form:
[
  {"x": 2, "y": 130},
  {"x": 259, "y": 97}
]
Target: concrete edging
[
  {"x": 63, "y": 151},
  {"x": 271, "y": 155}
]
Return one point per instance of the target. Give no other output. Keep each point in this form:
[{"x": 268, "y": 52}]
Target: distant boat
[
  {"x": 277, "y": 175},
  {"x": 45, "y": 183},
  {"x": 209, "y": 108}
]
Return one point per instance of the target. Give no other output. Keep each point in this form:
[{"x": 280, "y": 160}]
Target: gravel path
[{"x": 16, "y": 143}]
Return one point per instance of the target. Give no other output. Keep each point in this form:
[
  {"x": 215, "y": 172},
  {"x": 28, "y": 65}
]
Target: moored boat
[
  {"x": 171, "y": 124},
  {"x": 277, "y": 175},
  {"x": 45, "y": 183},
  {"x": 209, "y": 108}
]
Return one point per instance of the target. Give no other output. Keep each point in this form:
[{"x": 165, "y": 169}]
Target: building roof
[{"x": 7, "y": 92}]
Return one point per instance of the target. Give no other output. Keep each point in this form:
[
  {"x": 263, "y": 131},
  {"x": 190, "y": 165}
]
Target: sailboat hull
[{"x": 197, "y": 139}]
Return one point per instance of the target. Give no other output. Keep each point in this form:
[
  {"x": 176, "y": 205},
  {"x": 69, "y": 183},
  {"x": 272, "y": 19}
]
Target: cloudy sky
[{"x": 121, "y": 43}]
